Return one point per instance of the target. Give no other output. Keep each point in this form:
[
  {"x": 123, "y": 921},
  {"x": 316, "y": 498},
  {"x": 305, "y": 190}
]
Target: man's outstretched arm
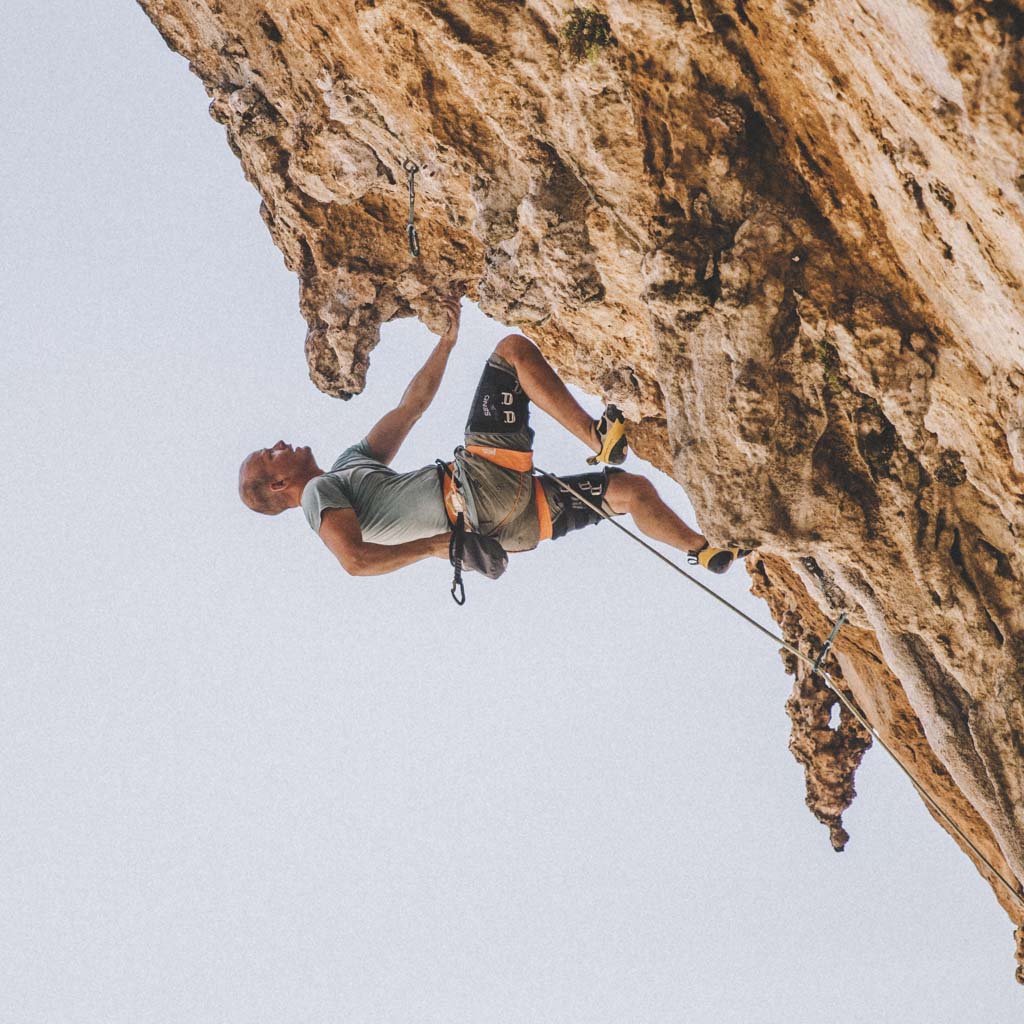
[
  {"x": 387, "y": 436},
  {"x": 339, "y": 530}
]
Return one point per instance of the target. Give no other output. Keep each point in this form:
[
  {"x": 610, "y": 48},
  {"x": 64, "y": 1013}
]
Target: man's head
[{"x": 271, "y": 480}]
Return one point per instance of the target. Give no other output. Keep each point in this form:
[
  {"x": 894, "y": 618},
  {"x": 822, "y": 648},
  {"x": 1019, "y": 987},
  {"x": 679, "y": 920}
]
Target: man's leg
[
  {"x": 625, "y": 492},
  {"x": 636, "y": 495},
  {"x": 545, "y": 388}
]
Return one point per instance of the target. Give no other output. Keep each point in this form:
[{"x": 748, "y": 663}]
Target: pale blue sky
[{"x": 240, "y": 786}]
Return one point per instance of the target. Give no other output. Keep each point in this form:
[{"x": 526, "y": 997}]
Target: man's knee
[
  {"x": 514, "y": 347},
  {"x": 626, "y": 490}
]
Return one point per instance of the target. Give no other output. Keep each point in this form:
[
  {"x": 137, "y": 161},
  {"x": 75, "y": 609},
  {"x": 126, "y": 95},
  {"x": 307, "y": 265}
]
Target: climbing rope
[
  {"x": 815, "y": 665},
  {"x": 414, "y": 243}
]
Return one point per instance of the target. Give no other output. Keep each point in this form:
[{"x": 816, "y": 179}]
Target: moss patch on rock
[
  {"x": 828, "y": 356},
  {"x": 586, "y": 34}
]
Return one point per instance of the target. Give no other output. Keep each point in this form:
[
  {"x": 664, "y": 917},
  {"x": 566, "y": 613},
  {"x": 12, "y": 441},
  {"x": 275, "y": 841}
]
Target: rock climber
[{"x": 375, "y": 520}]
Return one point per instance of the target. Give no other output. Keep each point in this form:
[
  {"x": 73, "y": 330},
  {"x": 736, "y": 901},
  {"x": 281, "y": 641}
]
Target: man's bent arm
[
  {"x": 387, "y": 436},
  {"x": 339, "y": 530}
]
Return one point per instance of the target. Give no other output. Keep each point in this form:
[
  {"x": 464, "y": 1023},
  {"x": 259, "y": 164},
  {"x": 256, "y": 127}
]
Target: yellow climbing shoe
[
  {"x": 717, "y": 560},
  {"x": 611, "y": 432}
]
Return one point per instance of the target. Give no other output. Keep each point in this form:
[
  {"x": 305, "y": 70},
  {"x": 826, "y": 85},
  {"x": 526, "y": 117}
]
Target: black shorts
[
  {"x": 569, "y": 511},
  {"x": 500, "y": 406}
]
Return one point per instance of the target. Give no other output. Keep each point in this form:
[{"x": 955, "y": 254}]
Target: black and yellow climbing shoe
[
  {"x": 611, "y": 432},
  {"x": 717, "y": 560}
]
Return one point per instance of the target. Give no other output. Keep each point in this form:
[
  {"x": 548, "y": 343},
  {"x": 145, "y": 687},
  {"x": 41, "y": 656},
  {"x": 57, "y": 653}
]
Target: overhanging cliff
[{"x": 783, "y": 235}]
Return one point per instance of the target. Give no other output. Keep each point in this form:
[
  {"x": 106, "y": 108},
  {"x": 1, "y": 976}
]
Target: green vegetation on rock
[{"x": 586, "y": 34}]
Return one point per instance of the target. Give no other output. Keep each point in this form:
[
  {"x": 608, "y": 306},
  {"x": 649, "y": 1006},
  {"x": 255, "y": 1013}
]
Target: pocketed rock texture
[{"x": 783, "y": 235}]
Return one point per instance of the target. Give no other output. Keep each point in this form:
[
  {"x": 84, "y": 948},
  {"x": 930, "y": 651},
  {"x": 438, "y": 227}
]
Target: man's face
[{"x": 280, "y": 462}]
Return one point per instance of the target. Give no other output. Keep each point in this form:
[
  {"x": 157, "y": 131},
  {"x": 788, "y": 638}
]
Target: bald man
[{"x": 375, "y": 520}]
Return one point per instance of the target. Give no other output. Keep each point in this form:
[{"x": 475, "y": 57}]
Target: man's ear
[{"x": 278, "y": 485}]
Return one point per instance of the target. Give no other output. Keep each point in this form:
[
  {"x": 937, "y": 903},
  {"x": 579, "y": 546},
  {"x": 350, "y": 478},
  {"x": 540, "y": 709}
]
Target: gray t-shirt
[{"x": 391, "y": 507}]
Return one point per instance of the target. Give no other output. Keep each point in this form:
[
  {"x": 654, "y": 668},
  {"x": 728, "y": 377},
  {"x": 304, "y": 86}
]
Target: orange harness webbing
[
  {"x": 521, "y": 462},
  {"x": 543, "y": 509},
  {"x": 507, "y": 458}
]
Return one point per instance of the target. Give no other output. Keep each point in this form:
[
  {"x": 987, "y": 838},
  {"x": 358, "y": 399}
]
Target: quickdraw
[
  {"x": 827, "y": 646},
  {"x": 455, "y": 507},
  {"x": 411, "y": 169},
  {"x": 455, "y": 549}
]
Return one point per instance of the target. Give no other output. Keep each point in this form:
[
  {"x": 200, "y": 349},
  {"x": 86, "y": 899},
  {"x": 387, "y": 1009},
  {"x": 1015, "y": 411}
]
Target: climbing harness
[
  {"x": 815, "y": 665},
  {"x": 414, "y": 243},
  {"x": 485, "y": 554}
]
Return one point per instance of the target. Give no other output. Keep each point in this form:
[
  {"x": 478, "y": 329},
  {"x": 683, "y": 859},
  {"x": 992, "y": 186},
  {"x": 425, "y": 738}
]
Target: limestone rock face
[{"x": 783, "y": 235}]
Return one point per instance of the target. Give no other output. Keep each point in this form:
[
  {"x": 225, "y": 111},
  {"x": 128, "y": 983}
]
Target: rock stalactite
[
  {"x": 784, "y": 236},
  {"x": 829, "y": 750}
]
